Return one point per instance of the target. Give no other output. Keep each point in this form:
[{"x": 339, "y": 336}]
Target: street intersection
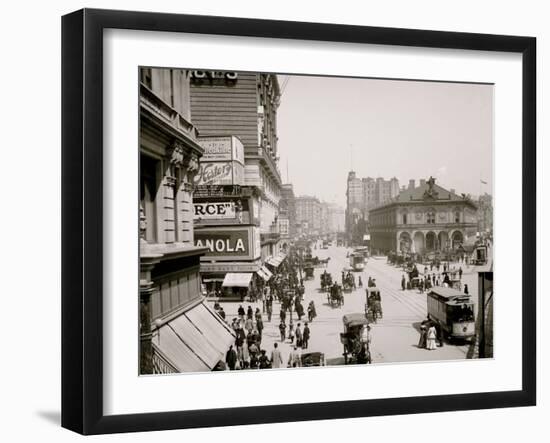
[{"x": 394, "y": 337}]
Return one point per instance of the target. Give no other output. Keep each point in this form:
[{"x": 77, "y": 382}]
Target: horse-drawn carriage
[
  {"x": 309, "y": 271},
  {"x": 415, "y": 282},
  {"x": 322, "y": 261},
  {"x": 356, "y": 338},
  {"x": 412, "y": 271},
  {"x": 335, "y": 296},
  {"x": 348, "y": 281},
  {"x": 326, "y": 281},
  {"x": 373, "y": 306},
  {"x": 318, "y": 262}
]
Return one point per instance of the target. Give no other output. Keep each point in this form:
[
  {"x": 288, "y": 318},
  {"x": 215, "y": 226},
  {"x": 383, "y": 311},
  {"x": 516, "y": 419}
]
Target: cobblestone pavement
[{"x": 394, "y": 338}]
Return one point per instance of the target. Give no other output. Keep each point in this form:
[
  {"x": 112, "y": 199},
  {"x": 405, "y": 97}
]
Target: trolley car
[
  {"x": 357, "y": 261},
  {"x": 453, "y": 311}
]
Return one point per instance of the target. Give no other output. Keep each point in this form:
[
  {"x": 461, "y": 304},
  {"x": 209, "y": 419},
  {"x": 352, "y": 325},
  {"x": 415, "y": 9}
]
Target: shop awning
[
  {"x": 273, "y": 261},
  {"x": 277, "y": 260},
  {"x": 267, "y": 272},
  {"x": 237, "y": 279},
  {"x": 263, "y": 274},
  {"x": 195, "y": 340},
  {"x": 212, "y": 279}
]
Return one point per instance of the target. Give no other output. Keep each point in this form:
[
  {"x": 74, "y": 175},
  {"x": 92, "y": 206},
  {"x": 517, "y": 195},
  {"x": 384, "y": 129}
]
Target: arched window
[{"x": 405, "y": 218}]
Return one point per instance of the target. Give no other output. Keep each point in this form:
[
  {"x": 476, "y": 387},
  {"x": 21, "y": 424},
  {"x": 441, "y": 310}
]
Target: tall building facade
[
  {"x": 170, "y": 288},
  {"x": 240, "y": 106},
  {"x": 287, "y": 215},
  {"x": 485, "y": 214},
  {"x": 308, "y": 214},
  {"x": 363, "y": 194},
  {"x": 422, "y": 219},
  {"x": 336, "y": 218}
]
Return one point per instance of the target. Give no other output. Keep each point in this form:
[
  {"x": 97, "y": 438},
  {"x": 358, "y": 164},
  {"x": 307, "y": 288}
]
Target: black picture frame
[{"x": 82, "y": 218}]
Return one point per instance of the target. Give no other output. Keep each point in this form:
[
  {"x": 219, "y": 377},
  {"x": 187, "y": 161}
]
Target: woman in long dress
[
  {"x": 423, "y": 337},
  {"x": 430, "y": 344}
]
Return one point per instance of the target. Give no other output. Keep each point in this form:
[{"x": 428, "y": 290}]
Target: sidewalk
[{"x": 270, "y": 334}]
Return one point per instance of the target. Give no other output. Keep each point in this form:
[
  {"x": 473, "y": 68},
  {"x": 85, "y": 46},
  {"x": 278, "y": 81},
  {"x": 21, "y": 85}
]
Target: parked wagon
[
  {"x": 313, "y": 359},
  {"x": 326, "y": 281}
]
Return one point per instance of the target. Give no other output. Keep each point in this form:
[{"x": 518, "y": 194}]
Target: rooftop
[{"x": 428, "y": 191}]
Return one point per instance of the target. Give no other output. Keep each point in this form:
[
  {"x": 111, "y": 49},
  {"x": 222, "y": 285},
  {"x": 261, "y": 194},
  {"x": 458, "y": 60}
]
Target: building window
[
  {"x": 430, "y": 219},
  {"x": 457, "y": 217},
  {"x": 148, "y": 193},
  {"x": 404, "y": 219},
  {"x": 146, "y": 77}
]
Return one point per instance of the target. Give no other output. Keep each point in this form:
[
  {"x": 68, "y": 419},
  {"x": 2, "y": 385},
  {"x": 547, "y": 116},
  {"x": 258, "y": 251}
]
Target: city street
[
  {"x": 247, "y": 221},
  {"x": 394, "y": 338}
]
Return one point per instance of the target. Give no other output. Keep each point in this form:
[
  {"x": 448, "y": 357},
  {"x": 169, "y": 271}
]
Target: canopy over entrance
[{"x": 237, "y": 279}]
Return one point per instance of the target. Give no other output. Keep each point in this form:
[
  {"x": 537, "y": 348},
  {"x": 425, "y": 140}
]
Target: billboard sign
[
  {"x": 214, "y": 211},
  {"x": 227, "y": 148},
  {"x": 220, "y": 173},
  {"x": 229, "y": 243},
  {"x": 224, "y": 243}
]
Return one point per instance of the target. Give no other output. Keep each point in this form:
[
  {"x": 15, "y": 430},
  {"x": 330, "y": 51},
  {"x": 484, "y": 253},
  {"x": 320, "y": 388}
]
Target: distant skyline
[{"x": 328, "y": 126}]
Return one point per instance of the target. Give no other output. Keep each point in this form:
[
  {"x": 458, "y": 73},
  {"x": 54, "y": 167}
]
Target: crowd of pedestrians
[{"x": 286, "y": 290}]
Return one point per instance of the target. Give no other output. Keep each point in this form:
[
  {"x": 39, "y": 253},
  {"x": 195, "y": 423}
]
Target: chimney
[
  {"x": 453, "y": 191},
  {"x": 411, "y": 184},
  {"x": 422, "y": 182}
]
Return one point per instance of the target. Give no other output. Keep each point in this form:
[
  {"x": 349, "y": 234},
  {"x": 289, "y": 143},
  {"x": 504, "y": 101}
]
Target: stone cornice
[
  {"x": 158, "y": 113},
  {"x": 161, "y": 251},
  {"x": 415, "y": 203}
]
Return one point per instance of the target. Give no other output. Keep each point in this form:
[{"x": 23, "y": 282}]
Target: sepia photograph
[{"x": 297, "y": 221}]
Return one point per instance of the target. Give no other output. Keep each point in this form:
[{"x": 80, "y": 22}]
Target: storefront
[
  {"x": 234, "y": 280},
  {"x": 231, "y": 250},
  {"x": 237, "y": 284}
]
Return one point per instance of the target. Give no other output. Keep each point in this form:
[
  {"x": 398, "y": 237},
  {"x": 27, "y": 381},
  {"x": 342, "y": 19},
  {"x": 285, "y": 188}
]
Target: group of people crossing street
[{"x": 286, "y": 290}]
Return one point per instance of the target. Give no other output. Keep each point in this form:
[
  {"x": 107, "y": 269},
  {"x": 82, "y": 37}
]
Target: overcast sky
[{"x": 384, "y": 128}]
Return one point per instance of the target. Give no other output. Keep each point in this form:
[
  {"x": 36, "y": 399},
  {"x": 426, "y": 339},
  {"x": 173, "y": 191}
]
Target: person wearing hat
[
  {"x": 282, "y": 330},
  {"x": 299, "y": 336},
  {"x": 231, "y": 358},
  {"x": 240, "y": 311},
  {"x": 305, "y": 336}
]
